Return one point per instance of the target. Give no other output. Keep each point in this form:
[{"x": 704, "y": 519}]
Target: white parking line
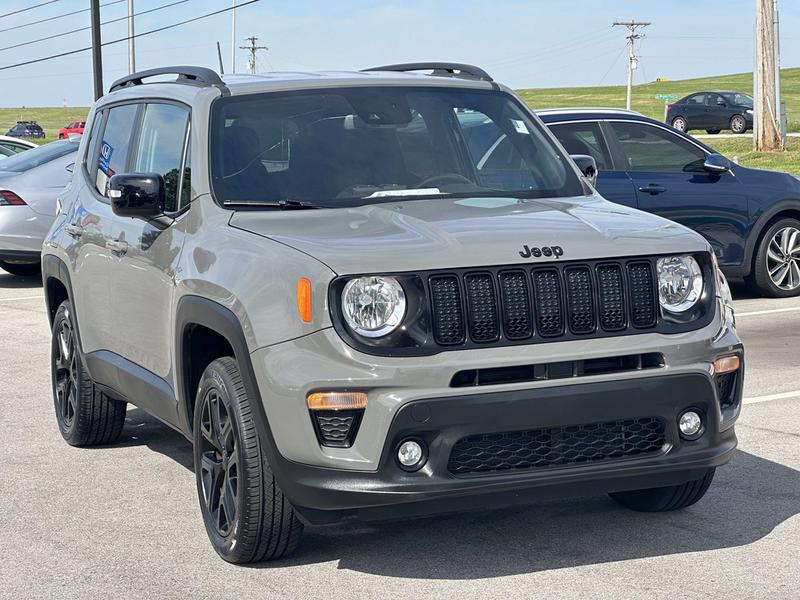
[
  {"x": 767, "y": 398},
  {"x": 22, "y": 298},
  {"x": 769, "y": 311}
]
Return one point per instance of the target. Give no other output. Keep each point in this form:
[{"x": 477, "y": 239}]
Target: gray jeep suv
[{"x": 356, "y": 302}]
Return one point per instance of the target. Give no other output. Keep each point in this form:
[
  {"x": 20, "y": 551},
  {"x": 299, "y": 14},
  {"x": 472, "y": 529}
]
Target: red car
[{"x": 74, "y": 127}]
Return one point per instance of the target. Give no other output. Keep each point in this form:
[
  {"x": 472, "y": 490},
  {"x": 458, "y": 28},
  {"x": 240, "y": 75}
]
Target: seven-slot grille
[{"x": 578, "y": 300}]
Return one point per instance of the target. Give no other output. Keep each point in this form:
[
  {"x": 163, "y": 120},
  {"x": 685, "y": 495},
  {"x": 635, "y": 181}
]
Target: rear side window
[
  {"x": 649, "y": 148},
  {"x": 584, "y": 138},
  {"x": 112, "y": 154},
  {"x": 696, "y": 99},
  {"x": 161, "y": 147}
]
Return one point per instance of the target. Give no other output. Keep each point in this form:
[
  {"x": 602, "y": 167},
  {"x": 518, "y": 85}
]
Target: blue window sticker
[{"x": 105, "y": 157}]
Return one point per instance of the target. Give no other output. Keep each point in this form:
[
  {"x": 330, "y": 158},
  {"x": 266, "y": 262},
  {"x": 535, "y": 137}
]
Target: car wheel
[
  {"x": 85, "y": 415},
  {"x": 246, "y": 515},
  {"x": 713, "y": 131},
  {"x": 21, "y": 269},
  {"x": 673, "y": 497},
  {"x": 61, "y": 136},
  {"x": 679, "y": 123},
  {"x": 738, "y": 124},
  {"x": 776, "y": 270}
]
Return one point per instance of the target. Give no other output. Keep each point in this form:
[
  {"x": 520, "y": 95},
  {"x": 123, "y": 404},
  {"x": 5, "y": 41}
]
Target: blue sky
[{"x": 531, "y": 43}]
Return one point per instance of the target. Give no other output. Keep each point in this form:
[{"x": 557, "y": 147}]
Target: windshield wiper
[{"x": 280, "y": 204}]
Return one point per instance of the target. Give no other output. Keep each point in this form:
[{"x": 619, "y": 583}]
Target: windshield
[
  {"x": 354, "y": 146},
  {"x": 24, "y": 161}
]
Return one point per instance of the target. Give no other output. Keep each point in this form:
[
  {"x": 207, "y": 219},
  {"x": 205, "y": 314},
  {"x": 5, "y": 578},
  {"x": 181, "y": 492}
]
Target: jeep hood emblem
[{"x": 537, "y": 252}]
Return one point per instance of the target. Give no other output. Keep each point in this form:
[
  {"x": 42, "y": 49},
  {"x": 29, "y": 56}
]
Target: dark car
[
  {"x": 26, "y": 129},
  {"x": 750, "y": 216},
  {"x": 712, "y": 111}
]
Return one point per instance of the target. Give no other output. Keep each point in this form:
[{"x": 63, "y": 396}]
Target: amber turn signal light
[
  {"x": 726, "y": 364},
  {"x": 336, "y": 400},
  {"x": 304, "y": 299}
]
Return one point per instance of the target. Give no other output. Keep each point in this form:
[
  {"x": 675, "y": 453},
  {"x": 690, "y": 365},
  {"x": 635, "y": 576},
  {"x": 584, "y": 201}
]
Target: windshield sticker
[
  {"x": 105, "y": 157},
  {"x": 520, "y": 126},
  {"x": 417, "y": 192}
]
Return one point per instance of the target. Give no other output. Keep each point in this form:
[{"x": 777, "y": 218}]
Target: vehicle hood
[{"x": 452, "y": 233}]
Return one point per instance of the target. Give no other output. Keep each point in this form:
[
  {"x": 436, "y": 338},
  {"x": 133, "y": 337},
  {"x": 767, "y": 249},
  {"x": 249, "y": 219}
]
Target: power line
[
  {"x": 124, "y": 39},
  {"x": 69, "y": 14},
  {"x": 57, "y": 35},
  {"x": 22, "y": 10}
]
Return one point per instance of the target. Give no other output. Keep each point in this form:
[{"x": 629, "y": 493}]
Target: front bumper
[{"x": 323, "y": 494}]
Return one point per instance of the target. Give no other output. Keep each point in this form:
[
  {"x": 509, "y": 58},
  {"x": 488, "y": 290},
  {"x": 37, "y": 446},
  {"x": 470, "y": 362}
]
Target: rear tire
[
  {"x": 247, "y": 517},
  {"x": 713, "y": 131},
  {"x": 673, "y": 497},
  {"x": 767, "y": 263},
  {"x": 85, "y": 415},
  {"x": 21, "y": 269},
  {"x": 680, "y": 124},
  {"x": 738, "y": 124}
]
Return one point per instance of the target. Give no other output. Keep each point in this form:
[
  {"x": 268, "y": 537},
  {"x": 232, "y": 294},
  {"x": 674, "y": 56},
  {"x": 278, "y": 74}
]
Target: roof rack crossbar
[
  {"x": 440, "y": 69},
  {"x": 197, "y": 75}
]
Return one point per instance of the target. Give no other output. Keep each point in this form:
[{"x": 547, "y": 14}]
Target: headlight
[
  {"x": 749, "y": 111},
  {"x": 680, "y": 283},
  {"x": 373, "y": 306}
]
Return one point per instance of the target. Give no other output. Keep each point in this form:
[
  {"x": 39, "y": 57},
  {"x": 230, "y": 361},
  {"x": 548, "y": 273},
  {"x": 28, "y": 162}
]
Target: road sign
[{"x": 666, "y": 97}]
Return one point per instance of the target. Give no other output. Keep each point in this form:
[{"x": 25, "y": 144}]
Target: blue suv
[{"x": 750, "y": 216}]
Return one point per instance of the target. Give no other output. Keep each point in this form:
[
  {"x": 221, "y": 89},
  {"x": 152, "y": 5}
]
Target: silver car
[
  {"x": 29, "y": 186},
  {"x": 354, "y": 308}
]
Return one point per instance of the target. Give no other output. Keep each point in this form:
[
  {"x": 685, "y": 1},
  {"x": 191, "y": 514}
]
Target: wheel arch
[
  {"x": 787, "y": 208},
  {"x": 57, "y": 286}
]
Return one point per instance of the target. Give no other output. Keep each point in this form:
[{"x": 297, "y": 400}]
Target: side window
[
  {"x": 696, "y": 99},
  {"x": 649, "y": 148},
  {"x": 161, "y": 143},
  {"x": 112, "y": 155},
  {"x": 584, "y": 138},
  {"x": 716, "y": 100}
]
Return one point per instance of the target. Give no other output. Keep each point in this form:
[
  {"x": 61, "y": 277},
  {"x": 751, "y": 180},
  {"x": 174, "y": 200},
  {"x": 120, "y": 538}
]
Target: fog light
[
  {"x": 690, "y": 425},
  {"x": 410, "y": 455},
  {"x": 727, "y": 364}
]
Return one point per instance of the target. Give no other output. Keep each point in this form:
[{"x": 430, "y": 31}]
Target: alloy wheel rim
[
  {"x": 66, "y": 374},
  {"x": 679, "y": 124},
  {"x": 783, "y": 259},
  {"x": 219, "y": 462},
  {"x": 738, "y": 123}
]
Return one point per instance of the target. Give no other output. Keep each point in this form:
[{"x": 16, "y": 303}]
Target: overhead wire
[
  {"x": 69, "y": 14},
  {"x": 27, "y": 8}
]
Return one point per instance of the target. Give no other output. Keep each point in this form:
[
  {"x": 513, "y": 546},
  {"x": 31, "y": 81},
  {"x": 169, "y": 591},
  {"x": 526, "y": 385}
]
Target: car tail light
[{"x": 8, "y": 198}]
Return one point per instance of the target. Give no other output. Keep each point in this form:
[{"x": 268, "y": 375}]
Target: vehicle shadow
[
  {"x": 10, "y": 282},
  {"x": 748, "y": 499}
]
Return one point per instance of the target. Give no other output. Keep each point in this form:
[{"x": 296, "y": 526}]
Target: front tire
[
  {"x": 738, "y": 124},
  {"x": 247, "y": 517},
  {"x": 680, "y": 124},
  {"x": 673, "y": 497},
  {"x": 776, "y": 268},
  {"x": 85, "y": 415},
  {"x": 21, "y": 269},
  {"x": 712, "y": 131}
]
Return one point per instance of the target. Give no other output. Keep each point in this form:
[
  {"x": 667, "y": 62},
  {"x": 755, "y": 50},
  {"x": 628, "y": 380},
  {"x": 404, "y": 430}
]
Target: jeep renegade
[{"x": 378, "y": 294}]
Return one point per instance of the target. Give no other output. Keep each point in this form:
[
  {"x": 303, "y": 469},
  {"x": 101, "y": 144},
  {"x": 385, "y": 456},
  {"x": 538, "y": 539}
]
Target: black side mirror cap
[
  {"x": 139, "y": 195},
  {"x": 587, "y": 166},
  {"x": 716, "y": 163}
]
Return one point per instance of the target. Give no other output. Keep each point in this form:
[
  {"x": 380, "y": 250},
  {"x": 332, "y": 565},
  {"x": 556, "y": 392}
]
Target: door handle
[
  {"x": 118, "y": 247},
  {"x": 652, "y": 189},
  {"x": 74, "y": 230}
]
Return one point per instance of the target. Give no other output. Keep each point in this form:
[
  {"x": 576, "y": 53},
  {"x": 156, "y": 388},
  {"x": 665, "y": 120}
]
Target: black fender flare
[{"x": 55, "y": 268}]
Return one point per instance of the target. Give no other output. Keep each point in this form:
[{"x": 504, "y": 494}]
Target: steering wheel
[{"x": 444, "y": 178}]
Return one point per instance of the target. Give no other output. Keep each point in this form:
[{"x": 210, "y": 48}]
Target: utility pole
[
  {"x": 131, "y": 42},
  {"x": 252, "y": 48},
  {"x": 97, "y": 59},
  {"x": 766, "y": 75},
  {"x": 233, "y": 37},
  {"x": 633, "y": 60}
]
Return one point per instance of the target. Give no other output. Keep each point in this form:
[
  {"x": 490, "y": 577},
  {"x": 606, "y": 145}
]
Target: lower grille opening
[
  {"x": 336, "y": 428},
  {"x": 726, "y": 389},
  {"x": 557, "y": 446},
  {"x": 557, "y": 370}
]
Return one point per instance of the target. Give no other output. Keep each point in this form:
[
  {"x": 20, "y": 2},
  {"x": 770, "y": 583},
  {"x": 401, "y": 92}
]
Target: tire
[
  {"x": 85, "y": 415},
  {"x": 230, "y": 462},
  {"x": 673, "y": 497},
  {"x": 768, "y": 277},
  {"x": 713, "y": 131},
  {"x": 680, "y": 124},
  {"x": 21, "y": 269},
  {"x": 738, "y": 124},
  {"x": 61, "y": 136}
]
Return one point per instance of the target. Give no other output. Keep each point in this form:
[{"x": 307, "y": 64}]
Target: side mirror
[
  {"x": 139, "y": 195},
  {"x": 716, "y": 163},
  {"x": 587, "y": 166}
]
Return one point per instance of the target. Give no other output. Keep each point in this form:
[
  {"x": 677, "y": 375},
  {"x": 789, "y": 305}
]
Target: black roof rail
[
  {"x": 196, "y": 75},
  {"x": 439, "y": 69}
]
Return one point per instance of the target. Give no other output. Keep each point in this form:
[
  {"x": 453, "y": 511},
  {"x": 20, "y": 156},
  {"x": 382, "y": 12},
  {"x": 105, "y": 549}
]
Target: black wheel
[
  {"x": 738, "y": 124},
  {"x": 679, "y": 123},
  {"x": 673, "y": 497},
  {"x": 776, "y": 265},
  {"x": 61, "y": 136},
  {"x": 246, "y": 515},
  {"x": 713, "y": 131},
  {"x": 85, "y": 415},
  {"x": 21, "y": 269}
]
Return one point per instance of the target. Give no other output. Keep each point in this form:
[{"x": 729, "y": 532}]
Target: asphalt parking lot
[{"x": 123, "y": 521}]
